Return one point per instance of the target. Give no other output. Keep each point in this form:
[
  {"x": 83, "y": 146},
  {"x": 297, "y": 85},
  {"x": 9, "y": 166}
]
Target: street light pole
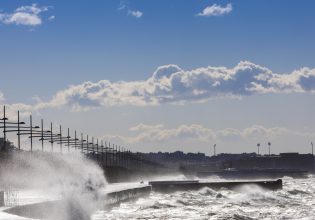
[
  {"x": 119, "y": 156},
  {"x": 81, "y": 142},
  {"x": 75, "y": 140},
  {"x": 31, "y": 125},
  {"x": 110, "y": 156},
  {"x": 312, "y": 148},
  {"x": 68, "y": 137},
  {"x": 87, "y": 144},
  {"x": 19, "y": 138},
  {"x": 106, "y": 154},
  {"x": 93, "y": 148},
  {"x": 60, "y": 139},
  {"x": 97, "y": 149},
  {"x": 102, "y": 146},
  {"x": 258, "y": 146},
  {"x": 214, "y": 146},
  {"x": 42, "y": 139},
  {"x": 51, "y": 138},
  {"x": 4, "y": 130}
]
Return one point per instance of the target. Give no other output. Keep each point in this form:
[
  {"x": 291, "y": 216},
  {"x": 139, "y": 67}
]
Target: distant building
[{"x": 281, "y": 161}]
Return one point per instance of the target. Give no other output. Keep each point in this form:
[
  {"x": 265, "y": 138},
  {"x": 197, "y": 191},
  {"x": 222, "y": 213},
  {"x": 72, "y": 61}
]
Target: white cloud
[
  {"x": 216, "y": 10},
  {"x": 24, "y": 15},
  {"x": 123, "y": 6},
  {"x": 171, "y": 84},
  {"x": 51, "y": 18},
  {"x": 160, "y": 134},
  {"x": 137, "y": 14}
]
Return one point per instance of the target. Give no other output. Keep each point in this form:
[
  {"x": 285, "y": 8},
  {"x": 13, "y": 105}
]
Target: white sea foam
[
  {"x": 73, "y": 178},
  {"x": 295, "y": 201}
]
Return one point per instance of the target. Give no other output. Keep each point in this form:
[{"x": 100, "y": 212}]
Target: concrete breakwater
[
  {"x": 122, "y": 193},
  {"x": 62, "y": 207},
  {"x": 255, "y": 173},
  {"x": 170, "y": 186},
  {"x": 117, "y": 197}
]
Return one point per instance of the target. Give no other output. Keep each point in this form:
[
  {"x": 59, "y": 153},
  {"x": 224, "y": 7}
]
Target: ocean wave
[{"x": 294, "y": 201}]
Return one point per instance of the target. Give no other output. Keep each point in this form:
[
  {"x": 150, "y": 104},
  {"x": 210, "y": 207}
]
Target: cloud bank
[
  {"x": 171, "y": 84},
  {"x": 24, "y": 15},
  {"x": 216, "y": 10},
  {"x": 160, "y": 134}
]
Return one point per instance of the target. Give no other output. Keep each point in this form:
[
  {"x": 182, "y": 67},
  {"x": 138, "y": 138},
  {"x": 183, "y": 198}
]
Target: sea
[{"x": 295, "y": 201}]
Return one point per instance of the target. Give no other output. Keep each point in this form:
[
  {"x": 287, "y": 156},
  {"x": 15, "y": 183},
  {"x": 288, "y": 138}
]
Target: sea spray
[{"x": 75, "y": 180}]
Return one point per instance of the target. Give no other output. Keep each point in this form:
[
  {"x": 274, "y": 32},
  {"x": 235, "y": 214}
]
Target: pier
[
  {"x": 171, "y": 186},
  {"x": 118, "y": 193}
]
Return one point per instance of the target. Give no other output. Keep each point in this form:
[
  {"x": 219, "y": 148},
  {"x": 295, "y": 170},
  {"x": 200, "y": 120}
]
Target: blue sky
[{"x": 62, "y": 43}]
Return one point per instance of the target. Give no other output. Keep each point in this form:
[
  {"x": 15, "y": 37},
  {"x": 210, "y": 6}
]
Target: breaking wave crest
[{"x": 294, "y": 201}]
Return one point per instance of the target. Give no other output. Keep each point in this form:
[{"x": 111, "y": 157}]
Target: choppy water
[{"x": 295, "y": 201}]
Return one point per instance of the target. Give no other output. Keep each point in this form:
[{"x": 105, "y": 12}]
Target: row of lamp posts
[
  {"x": 105, "y": 153},
  {"x": 258, "y": 148}
]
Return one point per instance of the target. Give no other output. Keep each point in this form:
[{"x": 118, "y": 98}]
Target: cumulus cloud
[
  {"x": 24, "y": 15},
  {"x": 160, "y": 134},
  {"x": 51, "y": 18},
  {"x": 216, "y": 10},
  {"x": 124, "y": 6},
  {"x": 137, "y": 14},
  {"x": 174, "y": 85},
  {"x": 171, "y": 84}
]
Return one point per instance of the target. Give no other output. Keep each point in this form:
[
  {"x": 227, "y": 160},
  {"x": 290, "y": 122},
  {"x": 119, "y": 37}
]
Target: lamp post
[
  {"x": 110, "y": 155},
  {"x": 48, "y": 135},
  {"x": 6, "y": 125},
  {"x": 269, "y": 144},
  {"x": 18, "y": 124},
  {"x": 51, "y": 138},
  {"x": 81, "y": 142},
  {"x": 42, "y": 138},
  {"x": 258, "y": 146},
  {"x": 31, "y": 131},
  {"x": 214, "y": 146},
  {"x": 68, "y": 138},
  {"x": 102, "y": 147},
  {"x": 119, "y": 156},
  {"x": 60, "y": 139},
  {"x": 106, "y": 158},
  {"x": 31, "y": 126},
  {"x": 312, "y": 148},
  {"x": 4, "y": 128},
  {"x": 75, "y": 142}
]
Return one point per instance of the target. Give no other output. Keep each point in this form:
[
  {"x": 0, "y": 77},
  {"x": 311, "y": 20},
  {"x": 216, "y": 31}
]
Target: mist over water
[
  {"x": 79, "y": 182},
  {"x": 295, "y": 201}
]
